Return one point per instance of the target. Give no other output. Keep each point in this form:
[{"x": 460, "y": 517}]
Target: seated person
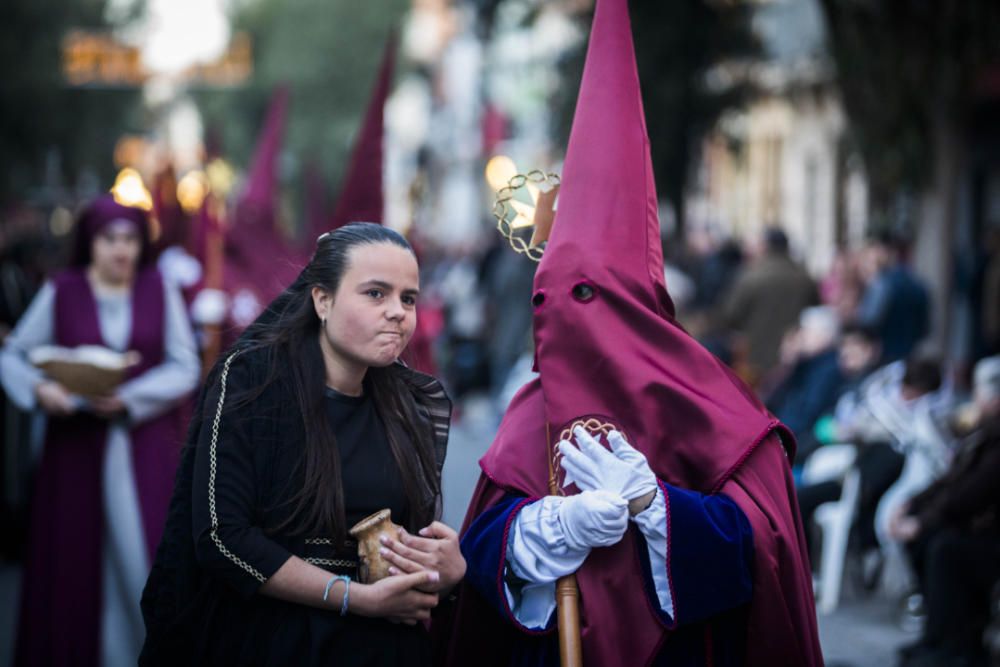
[
  {"x": 952, "y": 534},
  {"x": 810, "y": 374},
  {"x": 888, "y": 419},
  {"x": 858, "y": 357}
]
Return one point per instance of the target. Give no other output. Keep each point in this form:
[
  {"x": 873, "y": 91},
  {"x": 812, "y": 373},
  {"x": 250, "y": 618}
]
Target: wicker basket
[{"x": 87, "y": 370}]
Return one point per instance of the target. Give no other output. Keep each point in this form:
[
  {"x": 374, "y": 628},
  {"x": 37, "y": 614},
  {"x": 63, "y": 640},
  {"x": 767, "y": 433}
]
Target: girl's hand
[
  {"x": 437, "y": 550},
  {"x": 55, "y": 399},
  {"x": 902, "y": 526},
  {"x": 109, "y": 407},
  {"x": 401, "y": 599}
]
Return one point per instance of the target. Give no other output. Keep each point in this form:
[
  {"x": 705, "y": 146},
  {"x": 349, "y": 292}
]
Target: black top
[
  {"x": 370, "y": 475},
  {"x": 201, "y": 604}
]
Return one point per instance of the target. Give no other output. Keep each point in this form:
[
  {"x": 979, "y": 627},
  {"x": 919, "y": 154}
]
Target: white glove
[
  {"x": 622, "y": 471},
  {"x": 593, "y": 519}
]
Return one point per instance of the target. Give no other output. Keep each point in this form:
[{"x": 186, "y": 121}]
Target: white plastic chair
[
  {"x": 834, "y": 518},
  {"x": 830, "y": 462}
]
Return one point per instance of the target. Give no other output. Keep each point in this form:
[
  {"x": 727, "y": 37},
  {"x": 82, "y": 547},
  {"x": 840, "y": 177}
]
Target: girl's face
[
  {"x": 115, "y": 252},
  {"x": 371, "y": 318}
]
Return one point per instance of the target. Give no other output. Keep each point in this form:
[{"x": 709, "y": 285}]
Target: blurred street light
[
  {"x": 192, "y": 190},
  {"x": 129, "y": 190},
  {"x": 499, "y": 170},
  {"x": 220, "y": 177}
]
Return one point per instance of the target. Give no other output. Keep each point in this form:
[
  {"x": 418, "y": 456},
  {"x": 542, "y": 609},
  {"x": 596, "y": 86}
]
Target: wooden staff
[{"x": 567, "y": 592}]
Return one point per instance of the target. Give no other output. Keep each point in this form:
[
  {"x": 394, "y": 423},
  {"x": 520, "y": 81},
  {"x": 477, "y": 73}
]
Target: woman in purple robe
[{"x": 107, "y": 464}]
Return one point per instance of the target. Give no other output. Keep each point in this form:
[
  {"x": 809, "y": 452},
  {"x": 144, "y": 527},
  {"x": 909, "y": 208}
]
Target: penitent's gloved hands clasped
[
  {"x": 594, "y": 518},
  {"x": 622, "y": 471}
]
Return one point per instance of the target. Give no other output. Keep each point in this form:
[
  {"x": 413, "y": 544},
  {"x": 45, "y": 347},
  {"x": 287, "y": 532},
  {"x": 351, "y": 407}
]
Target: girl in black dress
[{"x": 306, "y": 426}]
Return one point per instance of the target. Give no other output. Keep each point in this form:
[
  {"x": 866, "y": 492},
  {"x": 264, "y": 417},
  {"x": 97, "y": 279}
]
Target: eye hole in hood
[{"x": 584, "y": 292}]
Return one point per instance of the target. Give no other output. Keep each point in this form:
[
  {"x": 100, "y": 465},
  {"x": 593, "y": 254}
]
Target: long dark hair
[{"x": 289, "y": 330}]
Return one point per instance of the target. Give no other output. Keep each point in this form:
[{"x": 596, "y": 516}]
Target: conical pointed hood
[
  {"x": 316, "y": 209},
  {"x": 606, "y": 342},
  {"x": 258, "y": 203},
  {"x": 361, "y": 196},
  {"x": 260, "y": 263},
  {"x": 607, "y": 202}
]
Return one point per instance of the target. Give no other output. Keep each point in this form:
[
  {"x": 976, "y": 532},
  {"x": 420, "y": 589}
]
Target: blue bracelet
[
  {"x": 347, "y": 595},
  {"x": 347, "y": 591}
]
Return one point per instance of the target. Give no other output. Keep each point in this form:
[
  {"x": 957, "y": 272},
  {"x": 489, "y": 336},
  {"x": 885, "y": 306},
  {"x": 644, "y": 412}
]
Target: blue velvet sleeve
[
  {"x": 484, "y": 546},
  {"x": 709, "y": 556}
]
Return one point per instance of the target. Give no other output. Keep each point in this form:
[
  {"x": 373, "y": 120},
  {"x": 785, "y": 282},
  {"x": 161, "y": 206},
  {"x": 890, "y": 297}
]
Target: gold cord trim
[
  {"x": 331, "y": 562},
  {"x": 329, "y": 541},
  {"x": 592, "y": 426},
  {"x": 213, "y": 468}
]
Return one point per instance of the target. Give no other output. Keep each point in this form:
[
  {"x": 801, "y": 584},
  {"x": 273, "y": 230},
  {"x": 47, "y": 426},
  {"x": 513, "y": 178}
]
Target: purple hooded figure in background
[{"x": 103, "y": 483}]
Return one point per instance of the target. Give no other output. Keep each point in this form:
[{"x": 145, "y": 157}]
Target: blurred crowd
[
  {"x": 848, "y": 363},
  {"x": 889, "y": 429}
]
